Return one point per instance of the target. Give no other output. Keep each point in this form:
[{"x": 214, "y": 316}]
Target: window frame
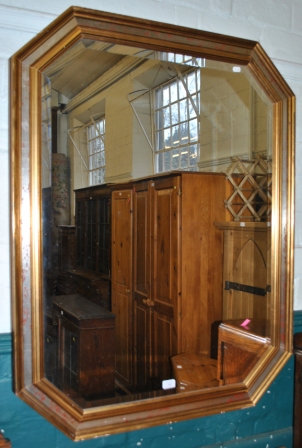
[
  {"x": 96, "y": 172},
  {"x": 183, "y": 93}
]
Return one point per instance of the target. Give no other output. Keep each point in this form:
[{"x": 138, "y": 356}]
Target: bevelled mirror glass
[{"x": 152, "y": 190}]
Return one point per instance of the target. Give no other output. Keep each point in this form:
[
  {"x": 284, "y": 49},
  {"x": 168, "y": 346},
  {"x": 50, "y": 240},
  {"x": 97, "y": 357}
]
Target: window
[
  {"x": 96, "y": 151},
  {"x": 177, "y": 106}
]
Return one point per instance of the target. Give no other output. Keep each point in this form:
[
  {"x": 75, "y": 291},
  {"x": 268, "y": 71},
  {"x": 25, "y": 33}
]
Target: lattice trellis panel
[{"x": 251, "y": 181}]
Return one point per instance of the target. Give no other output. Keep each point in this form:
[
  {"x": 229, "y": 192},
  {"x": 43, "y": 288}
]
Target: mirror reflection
[{"x": 156, "y": 191}]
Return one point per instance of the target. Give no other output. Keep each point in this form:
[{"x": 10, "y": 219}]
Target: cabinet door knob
[
  {"x": 148, "y": 302},
  {"x": 127, "y": 291}
]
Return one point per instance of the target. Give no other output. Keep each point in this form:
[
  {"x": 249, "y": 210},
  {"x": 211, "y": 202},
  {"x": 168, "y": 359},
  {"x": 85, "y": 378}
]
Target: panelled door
[
  {"x": 143, "y": 304},
  {"x": 165, "y": 255},
  {"x": 122, "y": 260}
]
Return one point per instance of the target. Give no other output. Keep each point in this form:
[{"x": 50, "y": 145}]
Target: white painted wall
[{"x": 276, "y": 24}]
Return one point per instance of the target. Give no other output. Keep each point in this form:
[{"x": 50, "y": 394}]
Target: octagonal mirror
[{"x": 152, "y": 222}]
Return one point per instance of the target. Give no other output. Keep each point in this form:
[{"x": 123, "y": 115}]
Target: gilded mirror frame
[{"x": 26, "y": 65}]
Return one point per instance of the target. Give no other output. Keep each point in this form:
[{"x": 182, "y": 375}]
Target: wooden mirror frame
[{"x": 26, "y": 67}]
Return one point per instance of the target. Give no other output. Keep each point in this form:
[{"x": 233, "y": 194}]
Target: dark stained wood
[
  {"x": 121, "y": 276},
  {"x": 86, "y": 340},
  {"x": 84, "y": 266},
  {"x": 93, "y": 229},
  {"x": 67, "y": 247},
  {"x": 87, "y": 283}
]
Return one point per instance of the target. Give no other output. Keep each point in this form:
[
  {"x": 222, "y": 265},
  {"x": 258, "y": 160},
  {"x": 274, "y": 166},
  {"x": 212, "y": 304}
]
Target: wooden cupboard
[
  {"x": 86, "y": 351},
  {"x": 166, "y": 272},
  {"x": 156, "y": 280}
]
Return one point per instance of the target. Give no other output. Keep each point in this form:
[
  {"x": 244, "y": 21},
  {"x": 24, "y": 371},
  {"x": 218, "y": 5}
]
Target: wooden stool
[{"x": 193, "y": 372}]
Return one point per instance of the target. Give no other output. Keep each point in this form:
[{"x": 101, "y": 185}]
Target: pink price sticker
[{"x": 245, "y": 322}]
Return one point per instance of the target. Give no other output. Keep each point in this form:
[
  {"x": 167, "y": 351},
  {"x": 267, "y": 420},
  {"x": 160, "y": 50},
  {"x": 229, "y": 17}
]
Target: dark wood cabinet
[
  {"x": 93, "y": 229},
  {"x": 85, "y": 248},
  {"x": 67, "y": 247},
  {"x": 86, "y": 347}
]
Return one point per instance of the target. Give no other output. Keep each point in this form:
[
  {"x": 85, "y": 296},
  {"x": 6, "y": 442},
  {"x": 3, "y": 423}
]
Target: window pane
[
  {"x": 182, "y": 91},
  {"x": 167, "y": 137},
  {"x": 175, "y": 159},
  {"x": 167, "y": 161},
  {"x": 183, "y": 110},
  {"x": 166, "y": 96},
  {"x": 167, "y": 116},
  {"x": 96, "y": 151},
  {"x": 174, "y": 113},
  {"x": 173, "y": 92},
  {"x": 184, "y": 158},
  {"x": 160, "y": 140},
  {"x": 175, "y": 135},
  {"x": 160, "y": 118}
]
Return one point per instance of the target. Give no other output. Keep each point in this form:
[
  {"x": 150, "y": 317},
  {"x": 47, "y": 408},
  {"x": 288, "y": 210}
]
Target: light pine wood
[
  {"x": 142, "y": 303},
  {"x": 194, "y": 372},
  {"x": 177, "y": 268},
  {"x": 246, "y": 261},
  {"x": 165, "y": 256},
  {"x": 5, "y": 443},
  {"x": 201, "y": 257}
]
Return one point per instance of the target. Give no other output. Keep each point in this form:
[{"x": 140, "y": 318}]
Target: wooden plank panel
[
  {"x": 164, "y": 348},
  {"x": 122, "y": 308},
  {"x": 202, "y": 257}
]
